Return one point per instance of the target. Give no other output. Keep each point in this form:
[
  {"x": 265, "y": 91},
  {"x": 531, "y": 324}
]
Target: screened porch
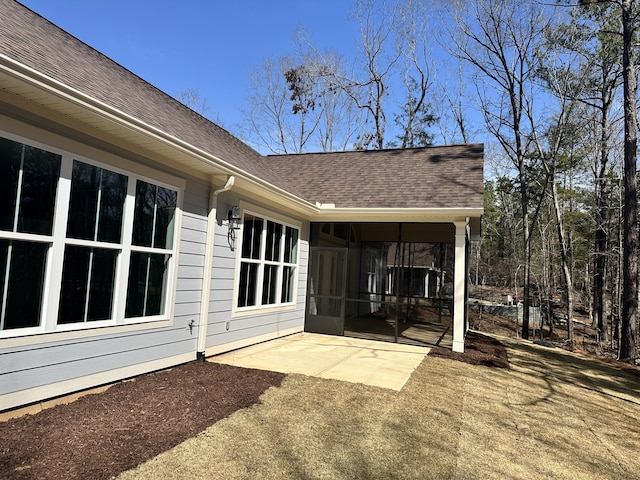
[{"x": 392, "y": 282}]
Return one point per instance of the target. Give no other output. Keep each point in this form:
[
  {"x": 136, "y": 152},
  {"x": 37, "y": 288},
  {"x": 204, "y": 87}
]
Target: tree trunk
[
  {"x": 627, "y": 350},
  {"x": 526, "y": 287},
  {"x": 601, "y": 241},
  {"x": 600, "y": 260},
  {"x": 565, "y": 259}
]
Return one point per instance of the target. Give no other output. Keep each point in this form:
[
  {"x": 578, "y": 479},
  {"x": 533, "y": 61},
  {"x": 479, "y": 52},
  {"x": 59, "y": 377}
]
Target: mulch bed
[
  {"x": 479, "y": 350},
  {"x": 100, "y": 435}
]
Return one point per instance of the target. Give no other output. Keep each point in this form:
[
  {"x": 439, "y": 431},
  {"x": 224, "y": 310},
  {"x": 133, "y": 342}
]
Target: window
[
  {"x": 96, "y": 211},
  {"x": 152, "y": 228},
  {"x": 68, "y": 237},
  {"x": 29, "y": 178},
  {"x": 268, "y": 264}
]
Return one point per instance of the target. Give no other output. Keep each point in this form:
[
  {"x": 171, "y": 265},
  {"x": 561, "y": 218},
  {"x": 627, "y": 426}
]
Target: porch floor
[
  {"x": 425, "y": 334},
  {"x": 380, "y": 364}
]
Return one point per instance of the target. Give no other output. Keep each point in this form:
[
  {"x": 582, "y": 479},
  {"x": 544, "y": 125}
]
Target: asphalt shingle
[
  {"x": 428, "y": 177},
  {"x": 431, "y": 177}
]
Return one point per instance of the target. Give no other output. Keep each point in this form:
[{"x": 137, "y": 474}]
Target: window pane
[
  {"x": 287, "y": 285},
  {"x": 153, "y": 223},
  {"x": 156, "y": 286},
  {"x": 96, "y": 190},
  {"x": 78, "y": 263},
  {"x": 274, "y": 236},
  {"x": 269, "y": 283},
  {"x": 22, "y": 282},
  {"x": 340, "y": 230},
  {"x": 10, "y": 154},
  {"x": 41, "y": 171},
  {"x": 114, "y": 193},
  {"x": 31, "y": 174},
  {"x": 103, "y": 274},
  {"x": 143, "y": 218},
  {"x": 291, "y": 245},
  {"x": 75, "y": 274},
  {"x": 247, "y": 284},
  {"x": 251, "y": 237},
  {"x": 167, "y": 201},
  {"x": 83, "y": 205},
  {"x": 147, "y": 284}
]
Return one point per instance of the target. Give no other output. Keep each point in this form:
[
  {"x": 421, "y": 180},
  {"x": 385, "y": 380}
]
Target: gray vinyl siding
[
  {"x": 223, "y": 328},
  {"x": 75, "y": 359},
  {"x": 44, "y": 363}
]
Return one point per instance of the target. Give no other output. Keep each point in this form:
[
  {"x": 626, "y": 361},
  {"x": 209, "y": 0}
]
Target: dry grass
[{"x": 552, "y": 415}]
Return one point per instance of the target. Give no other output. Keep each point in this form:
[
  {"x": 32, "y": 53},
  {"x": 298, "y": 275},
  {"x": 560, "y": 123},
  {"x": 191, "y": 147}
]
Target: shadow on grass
[{"x": 576, "y": 370}]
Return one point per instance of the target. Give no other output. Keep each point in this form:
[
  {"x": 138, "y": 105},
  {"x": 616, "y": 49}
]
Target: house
[{"x": 137, "y": 235}]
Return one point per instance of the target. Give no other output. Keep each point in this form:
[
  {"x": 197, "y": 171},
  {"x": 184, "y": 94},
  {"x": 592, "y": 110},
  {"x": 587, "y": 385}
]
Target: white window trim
[
  {"x": 55, "y": 255},
  {"x": 285, "y": 221}
]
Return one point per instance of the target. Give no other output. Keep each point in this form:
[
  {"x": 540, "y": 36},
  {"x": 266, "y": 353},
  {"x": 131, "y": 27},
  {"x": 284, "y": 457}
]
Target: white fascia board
[{"x": 331, "y": 214}]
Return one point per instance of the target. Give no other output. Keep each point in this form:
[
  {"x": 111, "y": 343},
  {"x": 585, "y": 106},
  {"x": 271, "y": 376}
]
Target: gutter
[
  {"x": 331, "y": 213},
  {"x": 208, "y": 266}
]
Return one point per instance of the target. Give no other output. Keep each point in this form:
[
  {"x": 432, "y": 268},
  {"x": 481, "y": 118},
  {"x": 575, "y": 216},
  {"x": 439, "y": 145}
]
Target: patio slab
[{"x": 380, "y": 364}]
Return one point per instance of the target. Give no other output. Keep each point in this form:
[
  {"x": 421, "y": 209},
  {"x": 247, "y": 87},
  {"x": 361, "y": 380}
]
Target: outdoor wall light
[{"x": 233, "y": 217}]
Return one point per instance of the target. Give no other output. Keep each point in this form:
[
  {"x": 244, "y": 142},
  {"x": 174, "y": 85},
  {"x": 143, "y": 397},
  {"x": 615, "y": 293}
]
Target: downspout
[{"x": 208, "y": 265}]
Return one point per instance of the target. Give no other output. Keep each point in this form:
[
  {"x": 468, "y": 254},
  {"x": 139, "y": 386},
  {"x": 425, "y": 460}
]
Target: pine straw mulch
[{"x": 101, "y": 435}]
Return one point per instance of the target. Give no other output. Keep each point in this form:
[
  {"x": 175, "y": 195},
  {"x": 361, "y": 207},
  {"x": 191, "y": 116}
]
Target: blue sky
[{"x": 206, "y": 45}]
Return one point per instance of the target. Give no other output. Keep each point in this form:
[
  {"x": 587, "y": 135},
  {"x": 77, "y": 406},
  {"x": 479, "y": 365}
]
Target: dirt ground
[{"x": 100, "y": 435}]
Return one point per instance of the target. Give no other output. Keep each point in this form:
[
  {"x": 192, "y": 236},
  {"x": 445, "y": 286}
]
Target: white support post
[
  {"x": 208, "y": 265},
  {"x": 459, "y": 280},
  {"x": 206, "y": 278}
]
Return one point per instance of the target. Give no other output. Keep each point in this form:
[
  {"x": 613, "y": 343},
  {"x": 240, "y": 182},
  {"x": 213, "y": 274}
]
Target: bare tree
[
  {"x": 627, "y": 12},
  {"x": 454, "y": 107},
  {"x": 629, "y": 318},
  {"x": 339, "y": 119},
  {"x": 192, "y": 99},
  {"x": 559, "y": 148},
  {"x": 278, "y": 120},
  {"x": 498, "y": 38},
  {"x": 416, "y": 70},
  {"x": 368, "y": 86},
  {"x": 590, "y": 33}
]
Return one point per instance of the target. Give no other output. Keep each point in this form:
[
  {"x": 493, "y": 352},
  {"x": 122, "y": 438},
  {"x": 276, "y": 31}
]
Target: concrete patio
[{"x": 375, "y": 363}]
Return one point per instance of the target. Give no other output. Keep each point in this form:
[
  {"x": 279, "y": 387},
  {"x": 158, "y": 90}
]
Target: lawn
[{"x": 553, "y": 414}]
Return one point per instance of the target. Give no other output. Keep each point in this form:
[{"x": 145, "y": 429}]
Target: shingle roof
[
  {"x": 35, "y": 42},
  {"x": 429, "y": 177},
  {"x": 425, "y": 177}
]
